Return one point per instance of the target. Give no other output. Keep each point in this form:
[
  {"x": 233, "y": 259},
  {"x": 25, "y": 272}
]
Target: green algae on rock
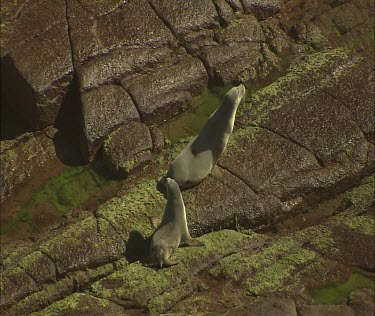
[
  {"x": 191, "y": 122},
  {"x": 362, "y": 196},
  {"x": 313, "y": 67},
  {"x": 71, "y": 188},
  {"x": 131, "y": 211},
  {"x": 138, "y": 285},
  {"x": 336, "y": 293},
  {"x": 68, "y": 190}
]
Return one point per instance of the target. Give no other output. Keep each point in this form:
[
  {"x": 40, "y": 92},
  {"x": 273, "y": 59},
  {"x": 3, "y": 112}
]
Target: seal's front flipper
[
  {"x": 170, "y": 262},
  {"x": 151, "y": 264},
  {"x": 193, "y": 242}
]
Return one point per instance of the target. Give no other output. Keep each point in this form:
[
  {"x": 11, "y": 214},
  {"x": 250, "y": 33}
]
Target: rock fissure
[
  {"x": 53, "y": 262},
  {"x": 179, "y": 41},
  {"x": 18, "y": 14},
  {"x": 294, "y": 141},
  {"x": 165, "y": 22},
  {"x": 70, "y": 36},
  {"x": 343, "y": 104},
  {"x": 134, "y": 100},
  {"x": 109, "y": 223},
  {"x": 239, "y": 177},
  {"x": 30, "y": 276}
]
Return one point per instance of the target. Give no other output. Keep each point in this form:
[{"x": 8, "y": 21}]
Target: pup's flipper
[{"x": 193, "y": 242}]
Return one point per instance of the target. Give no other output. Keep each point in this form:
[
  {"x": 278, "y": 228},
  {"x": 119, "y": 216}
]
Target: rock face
[
  {"x": 36, "y": 64},
  {"x": 299, "y": 163},
  {"x": 105, "y": 109},
  {"x": 21, "y": 158},
  {"x": 62, "y": 60}
]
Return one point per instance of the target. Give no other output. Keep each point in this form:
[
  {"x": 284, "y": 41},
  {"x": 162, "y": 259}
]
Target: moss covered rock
[
  {"x": 122, "y": 153},
  {"x": 81, "y": 304}
]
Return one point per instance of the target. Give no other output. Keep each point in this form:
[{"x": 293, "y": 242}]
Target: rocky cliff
[{"x": 289, "y": 208}]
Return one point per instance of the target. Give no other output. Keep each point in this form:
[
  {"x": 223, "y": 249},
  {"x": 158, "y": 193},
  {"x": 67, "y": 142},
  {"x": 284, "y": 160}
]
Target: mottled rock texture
[
  {"x": 298, "y": 164},
  {"x": 64, "y": 63}
]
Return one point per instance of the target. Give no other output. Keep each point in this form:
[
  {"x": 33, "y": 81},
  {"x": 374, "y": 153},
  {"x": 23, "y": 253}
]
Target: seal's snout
[{"x": 241, "y": 90}]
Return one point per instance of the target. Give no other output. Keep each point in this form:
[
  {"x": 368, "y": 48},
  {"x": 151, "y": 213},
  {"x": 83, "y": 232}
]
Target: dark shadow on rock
[
  {"x": 18, "y": 102},
  {"x": 68, "y": 139},
  {"x": 137, "y": 247},
  {"x": 100, "y": 166}
]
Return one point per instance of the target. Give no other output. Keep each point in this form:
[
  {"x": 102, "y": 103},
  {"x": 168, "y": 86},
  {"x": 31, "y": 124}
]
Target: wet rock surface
[{"x": 288, "y": 209}]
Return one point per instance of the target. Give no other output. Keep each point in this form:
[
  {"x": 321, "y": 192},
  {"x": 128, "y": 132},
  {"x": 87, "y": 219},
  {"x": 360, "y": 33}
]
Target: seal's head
[
  {"x": 171, "y": 186},
  {"x": 161, "y": 185},
  {"x": 159, "y": 252},
  {"x": 235, "y": 95}
]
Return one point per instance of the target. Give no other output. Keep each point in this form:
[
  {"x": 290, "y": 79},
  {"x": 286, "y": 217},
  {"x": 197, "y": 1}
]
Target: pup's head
[{"x": 158, "y": 252}]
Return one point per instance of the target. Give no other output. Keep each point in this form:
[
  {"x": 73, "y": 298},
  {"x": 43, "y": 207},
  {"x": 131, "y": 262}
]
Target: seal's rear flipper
[
  {"x": 194, "y": 242},
  {"x": 154, "y": 221},
  {"x": 170, "y": 262}
]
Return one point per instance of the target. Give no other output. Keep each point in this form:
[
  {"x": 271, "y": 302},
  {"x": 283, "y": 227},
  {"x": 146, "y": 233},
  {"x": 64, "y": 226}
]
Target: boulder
[
  {"x": 36, "y": 66},
  {"x": 262, "y": 9},
  {"x": 105, "y": 109},
  {"x": 122, "y": 153},
  {"x": 163, "y": 93}
]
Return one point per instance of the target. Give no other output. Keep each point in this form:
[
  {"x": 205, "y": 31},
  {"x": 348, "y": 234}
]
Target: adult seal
[
  {"x": 197, "y": 159},
  {"x": 172, "y": 229}
]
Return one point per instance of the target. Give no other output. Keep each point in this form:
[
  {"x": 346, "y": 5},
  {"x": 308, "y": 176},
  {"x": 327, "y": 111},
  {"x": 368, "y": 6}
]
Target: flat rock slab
[
  {"x": 244, "y": 261},
  {"x": 21, "y": 158},
  {"x": 82, "y": 245},
  {"x": 138, "y": 286},
  {"x": 123, "y": 27},
  {"x": 82, "y": 304}
]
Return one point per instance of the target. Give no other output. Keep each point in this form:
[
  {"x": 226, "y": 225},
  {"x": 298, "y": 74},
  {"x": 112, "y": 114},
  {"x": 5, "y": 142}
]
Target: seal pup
[
  {"x": 172, "y": 229},
  {"x": 197, "y": 159}
]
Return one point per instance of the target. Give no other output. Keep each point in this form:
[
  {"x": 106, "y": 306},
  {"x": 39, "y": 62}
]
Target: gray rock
[
  {"x": 186, "y": 16},
  {"x": 122, "y": 153},
  {"x": 15, "y": 285},
  {"x": 21, "y": 159},
  {"x": 266, "y": 307},
  {"x": 123, "y": 27},
  {"x": 362, "y": 301},
  {"x": 105, "y": 109},
  {"x": 82, "y": 245},
  {"x": 157, "y": 139},
  {"x": 326, "y": 310},
  {"x": 224, "y": 11},
  {"x": 124, "y": 63},
  {"x": 36, "y": 74},
  {"x": 262, "y": 9},
  {"x": 166, "y": 91},
  {"x": 238, "y": 53},
  {"x": 82, "y": 304},
  {"x": 278, "y": 156},
  {"x": 346, "y": 17},
  {"x": 355, "y": 90},
  {"x": 225, "y": 201}
]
